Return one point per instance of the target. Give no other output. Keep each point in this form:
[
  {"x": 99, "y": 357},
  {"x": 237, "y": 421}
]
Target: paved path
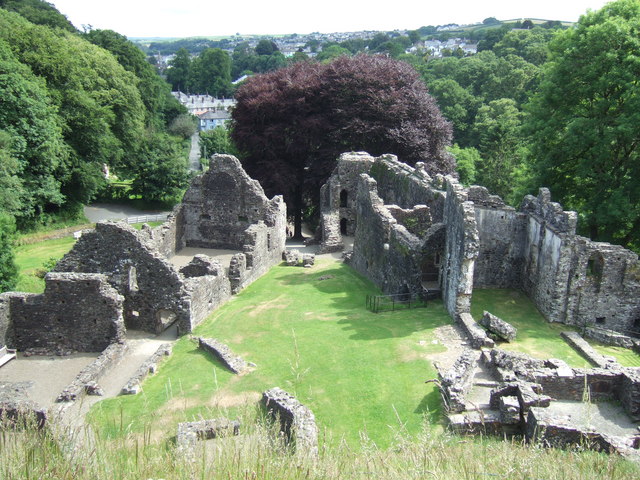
[{"x": 98, "y": 212}]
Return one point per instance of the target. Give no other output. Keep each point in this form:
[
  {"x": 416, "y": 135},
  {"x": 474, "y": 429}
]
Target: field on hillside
[{"x": 308, "y": 332}]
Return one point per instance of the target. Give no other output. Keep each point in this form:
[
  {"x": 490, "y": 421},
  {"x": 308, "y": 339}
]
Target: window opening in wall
[
  {"x": 595, "y": 267},
  {"x": 343, "y": 226},
  {"x": 600, "y": 320},
  {"x": 344, "y": 195},
  {"x": 133, "y": 279}
]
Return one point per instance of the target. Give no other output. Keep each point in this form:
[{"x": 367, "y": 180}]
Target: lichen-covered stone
[
  {"x": 498, "y": 327},
  {"x": 297, "y": 422}
]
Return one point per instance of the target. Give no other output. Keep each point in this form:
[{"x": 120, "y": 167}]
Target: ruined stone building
[
  {"x": 414, "y": 232},
  {"x": 117, "y": 278}
]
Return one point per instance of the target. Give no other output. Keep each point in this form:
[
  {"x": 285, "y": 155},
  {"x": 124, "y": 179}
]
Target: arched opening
[
  {"x": 344, "y": 196},
  {"x": 343, "y": 226}
]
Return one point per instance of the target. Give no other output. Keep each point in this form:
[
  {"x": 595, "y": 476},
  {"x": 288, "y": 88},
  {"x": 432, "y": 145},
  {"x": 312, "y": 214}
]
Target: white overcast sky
[{"x": 188, "y": 18}]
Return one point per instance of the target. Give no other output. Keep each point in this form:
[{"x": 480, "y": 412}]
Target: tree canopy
[
  {"x": 292, "y": 124},
  {"x": 584, "y": 122}
]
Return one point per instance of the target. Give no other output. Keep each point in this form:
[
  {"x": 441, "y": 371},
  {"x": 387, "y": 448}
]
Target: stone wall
[
  {"x": 338, "y": 199},
  {"x": 501, "y": 231},
  {"x": 384, "y": 250},
  {"x": 461, "y": 250},
  {"x": 297, "y": 422},
  {"x": 76, "y": 312},
  {"x": 224, "y": 202},
  {"x": 152, "y": 288}
]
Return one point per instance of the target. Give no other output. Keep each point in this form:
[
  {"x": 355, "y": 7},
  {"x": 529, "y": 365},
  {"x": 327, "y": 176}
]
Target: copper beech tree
[{"x": 292, "y": 124}]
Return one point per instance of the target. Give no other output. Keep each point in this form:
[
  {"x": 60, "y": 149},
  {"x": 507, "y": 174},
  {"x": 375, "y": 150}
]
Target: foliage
[
  {"x": 210, "y": 73},
  {"x": 292, "y": 124},
  {"x": 328, "y": 53},
  {"x": 39, "y": 12},
  {"x": 178, "y": 71},
  {"x": 466, "y": 161},
  {"x": 160, "y": 172},
  {"x": 32, "y": 148},
  {"x": 531, "y": 45},
  {"x": 247, "y": 60},
  {"x": 583, "y": 122},
  {"x": 497, "y": 135},
  {"x": 8, "y": 268},
  {"x": 161, "y": 106},
  {"x": 184, "y": 126},
  {"x": 217, "y": 140}
]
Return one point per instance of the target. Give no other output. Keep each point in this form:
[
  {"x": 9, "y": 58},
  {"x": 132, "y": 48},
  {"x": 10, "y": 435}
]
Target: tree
[
  {"x": 292, "y": 124},
  {"x": 497, "y": 132},
  {"x": 39, "y": 12},
  {"x": 466, "y": 161},
  {"x": 161, "y": 106},
  {"x": 183, "y": 126},
  {"x": 331, "y": 52},
  {"x": 178, "y": 71},
  {"x": 210, "y": 73},
  {"x": 217, "y": 140},
  {"x": 584, "y": 122},
  {"x": 266, "y": 47},
  {"x": 160, "y": 172},
  {"x": 8, "y": 269}
]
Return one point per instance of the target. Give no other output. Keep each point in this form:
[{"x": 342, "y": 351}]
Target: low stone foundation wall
[
  {"x": 609, "y": 337},
  {"x": 553, "y": 431},
  {"x": 297, "y": 422},
  {"x": 85, "y": 381},
  {"x": 134, "y": 385},
  {"x": 576, "y": 341},
  {"x": 190, "y": 432},
  {"x": 476, "y": 334},
  {"x": 456, "y": 382},
  {"x": 223, "y": 353}
]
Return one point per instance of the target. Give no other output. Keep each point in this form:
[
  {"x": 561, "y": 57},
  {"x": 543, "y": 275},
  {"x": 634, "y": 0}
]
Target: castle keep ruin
[{"x": 415, "y": 233}]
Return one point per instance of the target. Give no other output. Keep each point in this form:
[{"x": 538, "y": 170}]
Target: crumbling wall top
[{"x": 550, "y": 212}]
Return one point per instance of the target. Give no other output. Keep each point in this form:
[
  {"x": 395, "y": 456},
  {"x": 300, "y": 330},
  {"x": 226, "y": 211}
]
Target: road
[{"x": 98, "y": 212}]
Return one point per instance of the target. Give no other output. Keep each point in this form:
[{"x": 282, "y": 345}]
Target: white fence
[{"x": 161, "y": 217}]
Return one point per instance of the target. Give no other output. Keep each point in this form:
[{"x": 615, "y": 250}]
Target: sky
[{"x": 190, "y": 18}]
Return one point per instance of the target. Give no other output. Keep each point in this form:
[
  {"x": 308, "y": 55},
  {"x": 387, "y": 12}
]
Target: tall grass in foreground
[{"x": 258, "y": 453}]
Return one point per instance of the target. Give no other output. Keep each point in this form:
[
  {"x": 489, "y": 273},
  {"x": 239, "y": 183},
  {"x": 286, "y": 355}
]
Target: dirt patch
[
  {"x": 224, "y": 399},
  {"x": 452, "y": 338}
]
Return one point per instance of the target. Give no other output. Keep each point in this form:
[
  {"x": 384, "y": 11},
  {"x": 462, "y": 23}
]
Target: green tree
[
  {"x": 466, "y": 161},
  {"x": 531, "y": 45},
  {"x": 178, "y": 71},
  {"x": 39, "y": 12},
  {"x": 331, "y": 52},
  {"x": 497, "y": 133},
  {"x": 184, "y": 126},
  {"x": 266, "y": 47},
  {"x": 34, "y": 156},
  {"x": 458, "y": 105},
  {"x": 160, "y": 172},
  {"x": 210, "y": 73},
  {"x": 584, "y": 122},
  {"x": 161, "y": 106},
  {"x": 217, "y": 140},
  {"x": 8, "y": 269}
]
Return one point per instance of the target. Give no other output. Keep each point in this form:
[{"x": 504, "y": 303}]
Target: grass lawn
[
  {"x": 536, "y": 336},
  {"x": 308, "y": 331},
  {"x": 625, "y": 356},
  {"x": 31, "y": 259}
]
